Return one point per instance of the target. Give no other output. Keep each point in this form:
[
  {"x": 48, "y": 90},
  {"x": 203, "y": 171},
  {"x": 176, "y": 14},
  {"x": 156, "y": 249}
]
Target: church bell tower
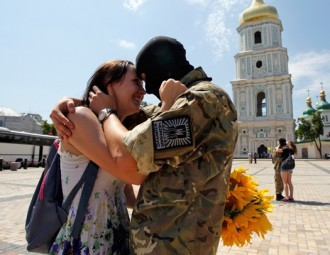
[{"x": 262, "y": 90}]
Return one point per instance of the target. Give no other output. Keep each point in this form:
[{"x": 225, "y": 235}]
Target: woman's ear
[{"x": 111, "y": 88}]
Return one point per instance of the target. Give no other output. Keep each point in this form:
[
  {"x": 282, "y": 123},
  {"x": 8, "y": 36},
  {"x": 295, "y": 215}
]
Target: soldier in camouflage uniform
[
  {"x": 277, "y": 175},
  {"x": 187, "y": 154}
]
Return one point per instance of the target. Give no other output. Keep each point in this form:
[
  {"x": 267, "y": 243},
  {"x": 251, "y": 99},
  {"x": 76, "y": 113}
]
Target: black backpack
[
  {"x": 288, "y": 163},
  {"x": 47, "y": 213}
]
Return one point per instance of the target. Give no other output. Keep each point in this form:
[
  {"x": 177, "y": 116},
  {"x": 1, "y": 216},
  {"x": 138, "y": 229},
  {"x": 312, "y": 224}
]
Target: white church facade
[
  {"x": 308, "y": 149},
  {"x": 262, "y": 91}
]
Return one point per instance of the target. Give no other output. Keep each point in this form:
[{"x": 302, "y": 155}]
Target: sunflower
[{"x": 245, "y": 210}]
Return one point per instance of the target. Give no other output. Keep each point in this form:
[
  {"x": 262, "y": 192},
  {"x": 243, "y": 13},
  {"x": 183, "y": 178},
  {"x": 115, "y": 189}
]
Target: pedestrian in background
[
  {"x": 250, "y": 158},
  {"x": 255, "y": 158}
]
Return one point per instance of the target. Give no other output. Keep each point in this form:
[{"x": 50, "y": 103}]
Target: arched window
[
  {"x": 257, "y": 37},
  {"x": 261, "y": 104}
]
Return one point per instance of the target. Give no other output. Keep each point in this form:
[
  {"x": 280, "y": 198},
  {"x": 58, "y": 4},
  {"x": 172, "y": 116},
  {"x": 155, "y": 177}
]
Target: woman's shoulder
[
  {"x": 81, "y": 113},
  {"x": 83, "y": 110},
  {"x": 288, "y": 150}
]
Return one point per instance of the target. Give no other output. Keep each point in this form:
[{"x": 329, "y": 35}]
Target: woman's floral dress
[{"x": 105, "y": 229}]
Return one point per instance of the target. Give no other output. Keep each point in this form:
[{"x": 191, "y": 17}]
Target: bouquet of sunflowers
[{"x": 245, "y": 210}]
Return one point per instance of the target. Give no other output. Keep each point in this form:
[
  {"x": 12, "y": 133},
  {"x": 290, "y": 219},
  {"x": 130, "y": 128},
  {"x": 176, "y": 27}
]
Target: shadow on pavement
[{"x": 312, "y": 203}]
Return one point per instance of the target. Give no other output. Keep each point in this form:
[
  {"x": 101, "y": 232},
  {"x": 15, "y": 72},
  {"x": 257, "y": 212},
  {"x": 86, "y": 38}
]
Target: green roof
[
  {"x": 309, "y": 111},
  {"x": 323, "y": 105}
]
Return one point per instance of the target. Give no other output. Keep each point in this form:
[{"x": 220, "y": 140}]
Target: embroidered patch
[{"x": 172, "y": 133}]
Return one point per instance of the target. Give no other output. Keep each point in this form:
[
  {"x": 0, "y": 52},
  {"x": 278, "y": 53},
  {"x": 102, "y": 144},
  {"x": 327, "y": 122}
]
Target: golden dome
[
  {"x": 323, "y": 104},
  {"x": 257, "y": 11},
  {"x": 309, "y": 110}
]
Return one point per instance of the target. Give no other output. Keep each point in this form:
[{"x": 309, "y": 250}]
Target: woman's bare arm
[{"x": 88, "y": 138}]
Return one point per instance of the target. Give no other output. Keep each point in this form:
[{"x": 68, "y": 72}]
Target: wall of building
[{"x": 27, "y": 122}]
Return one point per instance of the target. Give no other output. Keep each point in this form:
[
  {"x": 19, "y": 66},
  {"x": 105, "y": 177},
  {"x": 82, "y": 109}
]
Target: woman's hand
[
  {"x": 62, "y": 125},
  {"x": 169, "y": 91}
]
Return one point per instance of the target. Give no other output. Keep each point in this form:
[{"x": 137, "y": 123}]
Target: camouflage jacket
[{"x": 187, "y": 154}]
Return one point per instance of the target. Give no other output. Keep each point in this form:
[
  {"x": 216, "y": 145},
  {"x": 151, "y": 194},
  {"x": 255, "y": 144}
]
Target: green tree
[
  {"x": 48, "y": 129},
  {"x": 311, "y": 130}
]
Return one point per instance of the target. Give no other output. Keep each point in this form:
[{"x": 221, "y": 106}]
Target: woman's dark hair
[
  {"x": 292, "y": 146},
  {"x": 111, "y": 71},
  {"x": 282, "y": 142}
]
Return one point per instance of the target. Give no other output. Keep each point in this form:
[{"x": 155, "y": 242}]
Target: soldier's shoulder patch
[{"x": 172, "y": 133}]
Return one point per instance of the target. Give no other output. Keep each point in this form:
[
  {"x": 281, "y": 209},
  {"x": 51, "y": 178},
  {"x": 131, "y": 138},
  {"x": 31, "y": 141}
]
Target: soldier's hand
[
  {"x": 62, "y": 125},
  {"x": 99, "y": 100},
  {"x": 169, "y": 91}
]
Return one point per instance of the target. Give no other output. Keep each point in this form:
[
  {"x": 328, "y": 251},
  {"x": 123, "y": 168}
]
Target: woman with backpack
[
  {"x": 286, "y": 149},
  {"x": 105, "y": 229}
]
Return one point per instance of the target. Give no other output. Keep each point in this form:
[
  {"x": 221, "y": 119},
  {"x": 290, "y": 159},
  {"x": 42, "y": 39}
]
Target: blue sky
[{"x": 49, "y": 49}]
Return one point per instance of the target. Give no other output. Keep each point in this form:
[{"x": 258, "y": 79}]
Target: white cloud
[
  {"x": 218, "y": 31},
  {"x": 198, "y": 2},
  {"x": 309, "y": 70},
  {"x": 133, "y": 5},
  {"x": 125, "y": 44},
  {"x": 217, "y": 34}
]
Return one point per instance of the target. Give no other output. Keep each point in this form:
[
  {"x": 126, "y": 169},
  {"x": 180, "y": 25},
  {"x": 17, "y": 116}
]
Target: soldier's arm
[
  {"x": 62, "y": 124},
  {"x": 170, "y": 136}
]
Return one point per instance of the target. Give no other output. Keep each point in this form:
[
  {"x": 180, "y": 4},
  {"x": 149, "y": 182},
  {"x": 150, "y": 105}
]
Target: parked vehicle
[
  {"x": 327, "y": 156},
  {"x": 19, "y": 162},
  {"x": 5, "y": 164}
]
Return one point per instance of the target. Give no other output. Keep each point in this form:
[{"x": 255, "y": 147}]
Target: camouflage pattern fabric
[
  {"x": 187, "y": 154},
  {"x": 277, "y": 174}
]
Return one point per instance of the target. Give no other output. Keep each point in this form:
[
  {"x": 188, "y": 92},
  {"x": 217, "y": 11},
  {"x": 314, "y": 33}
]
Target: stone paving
[{"x": 302, "y": 227}]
